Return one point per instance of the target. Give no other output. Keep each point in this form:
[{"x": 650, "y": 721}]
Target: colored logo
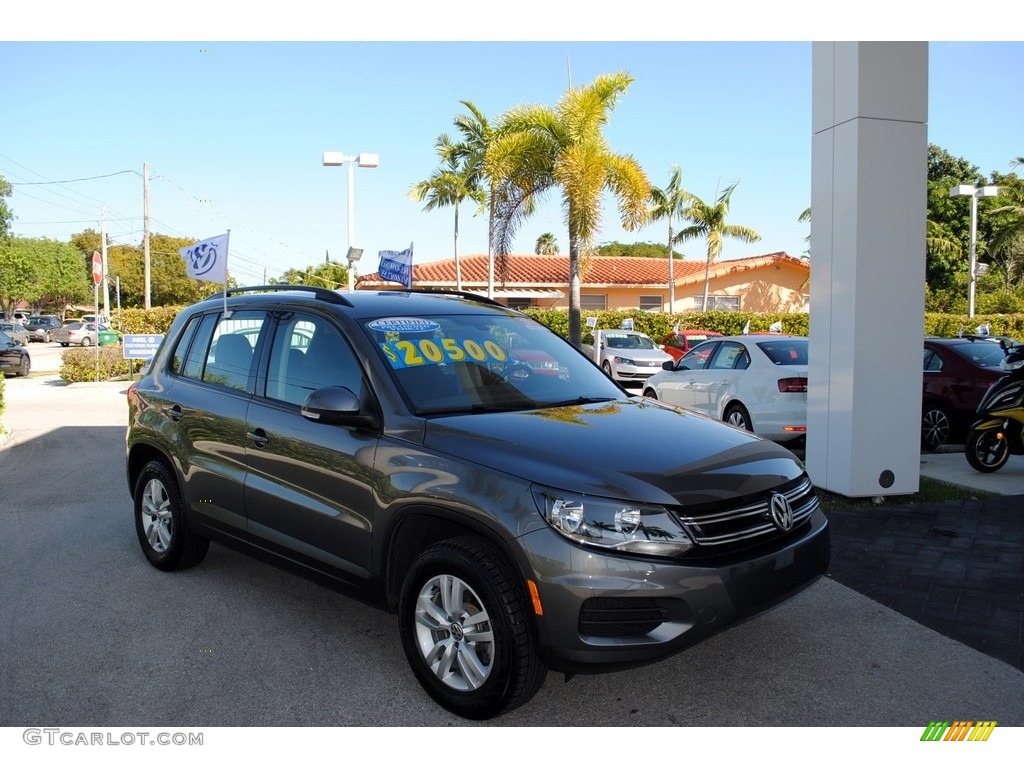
[
  {"x": 958, "y": 730},
  {"x": 203, "y": 258}
]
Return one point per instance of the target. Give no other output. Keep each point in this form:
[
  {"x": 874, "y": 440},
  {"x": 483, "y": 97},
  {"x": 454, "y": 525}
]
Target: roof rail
[
  {"x": 323, "y": 294},
  {"x": 463, "y": 294}
]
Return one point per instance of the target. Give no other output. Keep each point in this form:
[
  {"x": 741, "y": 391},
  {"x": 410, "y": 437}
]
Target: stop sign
[{"x": 97, "y": 268}]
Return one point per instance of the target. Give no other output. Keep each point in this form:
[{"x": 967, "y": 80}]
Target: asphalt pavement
[{"x": 95, "y": 636}]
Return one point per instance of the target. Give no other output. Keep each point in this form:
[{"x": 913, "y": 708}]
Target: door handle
[
  {"x": 175, "y": 412},
  {"x": 259, "y": 437}
]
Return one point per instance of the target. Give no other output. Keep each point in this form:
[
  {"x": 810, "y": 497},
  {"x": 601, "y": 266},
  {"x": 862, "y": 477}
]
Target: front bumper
[{"x": 608, "y": 610}]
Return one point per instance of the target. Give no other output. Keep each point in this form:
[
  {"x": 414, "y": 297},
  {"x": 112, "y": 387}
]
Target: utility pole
[
  {"x": 147, "y": 276},
  {"x": 103, "y": 253}
]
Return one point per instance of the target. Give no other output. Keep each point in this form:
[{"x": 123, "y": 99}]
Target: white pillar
[{"x": 868, "y": 211}]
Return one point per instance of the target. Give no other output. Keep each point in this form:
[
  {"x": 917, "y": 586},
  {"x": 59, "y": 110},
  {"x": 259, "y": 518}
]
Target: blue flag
[{"x": 396, "y": 266}]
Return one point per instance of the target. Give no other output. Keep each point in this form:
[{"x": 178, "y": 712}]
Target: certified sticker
[{"x": 404, "y": 325}]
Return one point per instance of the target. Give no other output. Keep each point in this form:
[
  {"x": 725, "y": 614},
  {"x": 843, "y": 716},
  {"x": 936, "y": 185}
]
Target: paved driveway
[{"x": 94, "y": 636}]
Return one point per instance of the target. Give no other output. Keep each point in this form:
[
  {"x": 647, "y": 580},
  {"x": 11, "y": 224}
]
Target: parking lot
[{"x": 95, "y": 636}]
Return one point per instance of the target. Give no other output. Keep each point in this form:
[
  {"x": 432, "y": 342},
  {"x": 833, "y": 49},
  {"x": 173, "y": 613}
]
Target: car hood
[{"x": 632, "y": 448}]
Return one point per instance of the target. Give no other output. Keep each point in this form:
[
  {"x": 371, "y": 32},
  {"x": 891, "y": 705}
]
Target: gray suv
[{"x": 517, "y": 509}]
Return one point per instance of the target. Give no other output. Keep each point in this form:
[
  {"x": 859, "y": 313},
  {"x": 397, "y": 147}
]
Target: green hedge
[
  {"x": 80, "y": 364},
  {"x": 654, "y": 324},
  {"x": 658, "y": 324},
  {"x": 155, "y": 320}
]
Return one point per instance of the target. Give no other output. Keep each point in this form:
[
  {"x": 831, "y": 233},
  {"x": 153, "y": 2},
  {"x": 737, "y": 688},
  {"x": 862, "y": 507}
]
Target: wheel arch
[
  {"x": 735, "y": 401},
  {"x": 139, "y": 455},
  {"x": 420, "y": 526}
]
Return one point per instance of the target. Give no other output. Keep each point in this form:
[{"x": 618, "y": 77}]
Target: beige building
[{"x": 774, "y": 282}]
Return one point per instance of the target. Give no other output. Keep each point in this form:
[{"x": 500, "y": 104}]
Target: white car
[
  {"x": 757, "y": 382},
  {"x": 628, "y": 357}
]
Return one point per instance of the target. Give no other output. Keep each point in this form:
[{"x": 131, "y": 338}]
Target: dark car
[
  {"x": 516, "y": 521},
  {"x": 14, "y": 358},
  {"x": 40, "y": 327},
  {"x": 957, "y": 372}
]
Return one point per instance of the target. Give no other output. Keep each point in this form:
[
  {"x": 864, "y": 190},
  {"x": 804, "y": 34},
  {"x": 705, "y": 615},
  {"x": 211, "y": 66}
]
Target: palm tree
[
  {"x": 454, "y": 181},
  {"x": 709, "y": 222},
  {"x": 477, "y": 136},
  {"x": 669, "y": 203},
  {"x": 803, "y": 218},
  {"x": 539, "y": 148},
  {"x": 1008, "y": 238},
  {"x": 546, "y": 245}
]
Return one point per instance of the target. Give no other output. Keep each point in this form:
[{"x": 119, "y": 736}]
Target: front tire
[
  {"x": 167, "y": 541},
  {"x": 466, "y": 630},
  {"x": 987, "y": 450},
  {"x": 25, "y": 368}
]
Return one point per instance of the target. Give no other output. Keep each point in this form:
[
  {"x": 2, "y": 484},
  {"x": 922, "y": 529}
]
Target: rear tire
[
  {"x": 987, "y": 450},
  {"x": 466, "y": 630},
  {"x": 936, "y": 427},
  {"x": 737, "y": 416},
  {"x": 167, "y": 541}
]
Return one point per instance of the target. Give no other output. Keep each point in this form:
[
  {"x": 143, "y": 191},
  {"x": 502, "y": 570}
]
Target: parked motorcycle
[{"x": 998, "y": 432}]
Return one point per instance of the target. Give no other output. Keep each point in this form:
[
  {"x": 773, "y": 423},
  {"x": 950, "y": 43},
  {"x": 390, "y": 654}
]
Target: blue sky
[{"x": 234, "y": 132}]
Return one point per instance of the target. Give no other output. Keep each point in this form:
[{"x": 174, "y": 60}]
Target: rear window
[
  {"x": 785, "y": 351},
  {"x": 981, "y": 352}
]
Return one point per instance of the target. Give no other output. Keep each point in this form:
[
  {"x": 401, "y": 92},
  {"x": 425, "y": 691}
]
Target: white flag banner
[
  {"x": 776, "y": 327},
  {"x": 396, "y": 266},
  {"x": 207, "y": 259},
  {"x": 746, "y": 328}
]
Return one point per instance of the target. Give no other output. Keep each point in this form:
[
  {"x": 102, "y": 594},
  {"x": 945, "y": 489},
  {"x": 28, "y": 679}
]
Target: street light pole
[
  {"x": 363, "y": 160},
  {"x": 973, "y": 192}
]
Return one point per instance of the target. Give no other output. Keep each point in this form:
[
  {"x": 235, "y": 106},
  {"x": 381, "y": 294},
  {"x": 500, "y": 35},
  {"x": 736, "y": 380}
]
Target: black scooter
[{"x": 998, "y": 431}]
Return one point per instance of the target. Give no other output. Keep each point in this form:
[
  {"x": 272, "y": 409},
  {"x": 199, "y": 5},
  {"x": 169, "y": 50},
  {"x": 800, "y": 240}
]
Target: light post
[
  {"x": 973, "y": 192},
  {"x": 363, "y": 160}
]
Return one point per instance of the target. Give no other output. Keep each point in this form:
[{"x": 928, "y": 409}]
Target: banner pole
[{"x": 227, "y": 248}]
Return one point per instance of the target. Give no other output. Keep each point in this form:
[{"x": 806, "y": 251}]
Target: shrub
[
  {"x": 80, "y": 364},
  {"x": 658, "y": 324}
]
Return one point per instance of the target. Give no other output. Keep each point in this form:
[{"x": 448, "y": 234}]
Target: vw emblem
[{"x": 780, "y": 511}]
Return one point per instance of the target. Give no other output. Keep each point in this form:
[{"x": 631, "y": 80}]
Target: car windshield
[
  {"x": 785, "y": 351},
  {"x": 489, "y": 362},
  {"x": 628, "y": 341}
]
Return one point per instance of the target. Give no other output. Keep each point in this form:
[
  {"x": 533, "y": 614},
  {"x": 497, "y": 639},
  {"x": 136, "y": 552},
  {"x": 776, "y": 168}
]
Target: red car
[
  {"x": 957, "y": 373},
  {"x": 678, "y": 343}
]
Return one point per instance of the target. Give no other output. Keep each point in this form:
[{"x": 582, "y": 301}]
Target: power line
[{"x": 68, "y": 181}]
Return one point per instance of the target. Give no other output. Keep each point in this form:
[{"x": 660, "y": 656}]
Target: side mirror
[
  {"x": 335, "y": 405},
  {"x": 668, "y": 365}
]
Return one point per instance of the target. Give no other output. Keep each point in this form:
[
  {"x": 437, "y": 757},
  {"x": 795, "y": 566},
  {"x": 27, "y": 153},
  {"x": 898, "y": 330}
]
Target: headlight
[
  {"x": 622, "y": 361},
  {"x": 641, "y": 529}
]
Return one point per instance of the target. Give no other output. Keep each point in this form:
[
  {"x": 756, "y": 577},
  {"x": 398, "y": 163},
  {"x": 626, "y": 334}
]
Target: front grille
[
  {"x": 721, "y": 530},
  {"x": 620, "y": 616}
]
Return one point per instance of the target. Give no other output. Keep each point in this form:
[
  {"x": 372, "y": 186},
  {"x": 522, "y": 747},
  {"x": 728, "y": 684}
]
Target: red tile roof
[{"x": 530, "y": 271}]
